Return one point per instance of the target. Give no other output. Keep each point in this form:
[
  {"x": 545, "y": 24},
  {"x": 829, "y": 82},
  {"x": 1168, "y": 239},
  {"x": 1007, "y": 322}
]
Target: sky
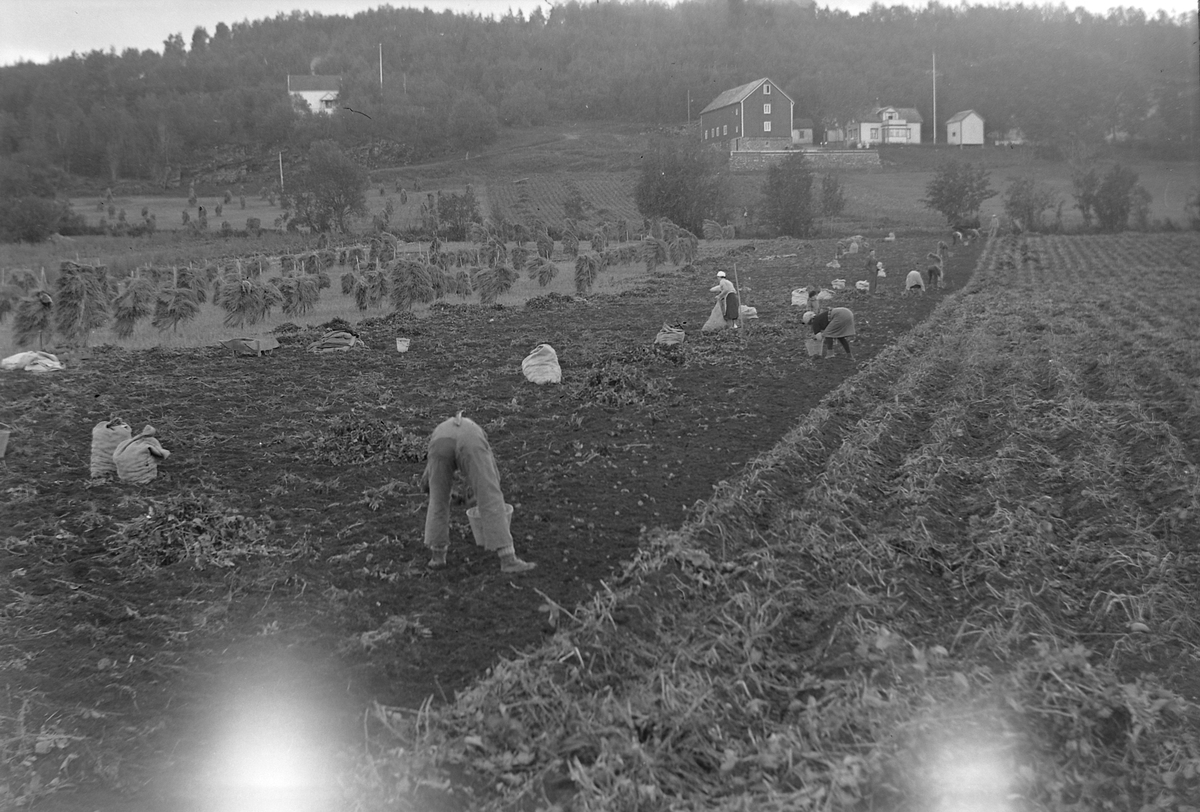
[{"x": 39, "y": 30}]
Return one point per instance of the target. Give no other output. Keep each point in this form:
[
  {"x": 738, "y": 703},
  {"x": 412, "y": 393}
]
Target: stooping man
[
  {"x": 459, "y": 444},
  {"x": 727, "y": 299},
  {"x": 836, "y": 323}
]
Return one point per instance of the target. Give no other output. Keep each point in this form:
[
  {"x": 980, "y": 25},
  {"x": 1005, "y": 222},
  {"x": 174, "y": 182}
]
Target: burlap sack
[
  {"x": 336, "y": 341},
  {"x": 138, "y": 457},
  {"x": 541, "y": 365},
  {"x": 251, "y": 346},
  {"x": 669, "y": 335},
  {"x": 106, "y": 436},
  {"x": 716, "y": 319}
]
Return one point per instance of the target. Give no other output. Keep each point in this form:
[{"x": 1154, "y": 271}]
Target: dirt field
[
  {"x": 966, "y": 579},
  {"x": 279, "y": 552}
]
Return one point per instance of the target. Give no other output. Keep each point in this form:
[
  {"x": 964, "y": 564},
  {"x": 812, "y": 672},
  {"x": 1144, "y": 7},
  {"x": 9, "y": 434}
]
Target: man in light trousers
[{"x": 460, "y": 444}]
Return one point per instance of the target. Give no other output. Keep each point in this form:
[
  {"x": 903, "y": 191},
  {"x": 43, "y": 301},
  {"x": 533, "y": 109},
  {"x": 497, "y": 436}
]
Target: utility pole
[
  {"x": 381, "y": 67},
  {"x": 689, "y": 97},
  {"x": 281, "y": 174},
  {"x": 935, "y": 118}
]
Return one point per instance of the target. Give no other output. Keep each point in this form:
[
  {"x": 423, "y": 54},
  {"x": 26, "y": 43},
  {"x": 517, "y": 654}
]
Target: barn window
[
  {"x": 726, "y": 130},
  {"x": 766, "y": 126},
  {"x": 766, "y": 90},
  {"x": 766, "y": 109}
]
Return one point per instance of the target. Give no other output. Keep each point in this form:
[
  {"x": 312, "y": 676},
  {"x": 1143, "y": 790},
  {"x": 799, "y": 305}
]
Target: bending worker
[
  {"x": 727, "y": 299},
  {"x": 836, "y": 323},
  {"x": 460, "y": 444}
]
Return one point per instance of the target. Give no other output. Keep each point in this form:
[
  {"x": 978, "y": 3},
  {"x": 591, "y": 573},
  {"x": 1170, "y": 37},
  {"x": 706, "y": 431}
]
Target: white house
[
  {"x": 802, "y": 131},
  {"x": 885, "y": 125},
  {"x": 320, "y": 92},
  {"x": 965, "y": 128}
]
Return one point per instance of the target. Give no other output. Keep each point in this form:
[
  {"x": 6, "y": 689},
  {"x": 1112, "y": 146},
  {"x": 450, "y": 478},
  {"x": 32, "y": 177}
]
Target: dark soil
[{"x": 279, "y": 551}]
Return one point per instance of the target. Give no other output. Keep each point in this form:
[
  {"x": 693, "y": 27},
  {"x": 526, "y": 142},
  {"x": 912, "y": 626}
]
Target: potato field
[{"x": 958, "y": 572}]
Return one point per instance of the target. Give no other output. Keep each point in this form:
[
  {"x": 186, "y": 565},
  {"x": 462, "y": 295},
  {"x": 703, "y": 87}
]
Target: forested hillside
[{"x": 451, "y": 80}]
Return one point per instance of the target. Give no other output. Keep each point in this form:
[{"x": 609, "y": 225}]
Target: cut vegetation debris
[{"x": 968, "y": 579}]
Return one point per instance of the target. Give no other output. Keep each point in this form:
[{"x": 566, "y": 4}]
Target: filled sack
[
  {"x": 336, "y": 341},
  {"x": 716, "y": 319},
  {"x": 748, "y": 312},
  {"x": 669, "y": 335},
  {"x": 250, "y": 346},
  {"x": 32, "y": 361},
  {"x": 541, "y": 365},
  {"x": 137, "y": 458},
  {"x": 106, "y": 436}
]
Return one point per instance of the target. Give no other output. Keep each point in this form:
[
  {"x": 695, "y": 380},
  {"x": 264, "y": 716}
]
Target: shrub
[
  {"x": 957, "y": 191},
  {"x": 1192, "y": 208},
  {"x": 1116, "y": 197},
  {"x": 787, "y": 196},
  {"x": 1026, "y": 202}
]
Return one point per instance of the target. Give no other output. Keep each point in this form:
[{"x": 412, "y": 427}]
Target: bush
[
  {"x": 1192, "y": 208},
  {"x": 787, "y": 197},
  {"x": 29, "y": 219},
  {"x": 330, "y": 190},
  {"x": 1026, "y": 202},
  {"x": 957, "y": 191},
  {"x": 1117, "y": 196},
  {"x": 682, "y": 181}
]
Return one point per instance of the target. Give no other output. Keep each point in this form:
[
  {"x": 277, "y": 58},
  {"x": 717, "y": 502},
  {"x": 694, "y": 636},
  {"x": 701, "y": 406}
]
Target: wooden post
[
  {"x": 741, "y": 301},
  {"x": 281, "y": 176}
]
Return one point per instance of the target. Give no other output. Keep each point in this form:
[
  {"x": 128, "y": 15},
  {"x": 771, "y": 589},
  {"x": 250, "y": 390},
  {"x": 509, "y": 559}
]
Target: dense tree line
[{"x": 450, "y": 80}]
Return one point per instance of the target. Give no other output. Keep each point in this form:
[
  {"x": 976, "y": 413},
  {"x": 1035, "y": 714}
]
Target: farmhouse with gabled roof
[
  {"x": 320, "y": 92},
  {"x": 885, "y": 125},
  {"x": 754, "y": 116}
]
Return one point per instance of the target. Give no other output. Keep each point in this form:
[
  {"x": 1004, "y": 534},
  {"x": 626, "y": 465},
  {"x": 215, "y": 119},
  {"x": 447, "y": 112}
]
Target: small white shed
[{"x": 965, "y": 128}]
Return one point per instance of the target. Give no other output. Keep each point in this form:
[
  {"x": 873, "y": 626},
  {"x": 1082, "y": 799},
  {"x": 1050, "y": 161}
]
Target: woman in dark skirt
[
  {"x": 837, "y": 323},
  {"x": 728, "y": 296}
]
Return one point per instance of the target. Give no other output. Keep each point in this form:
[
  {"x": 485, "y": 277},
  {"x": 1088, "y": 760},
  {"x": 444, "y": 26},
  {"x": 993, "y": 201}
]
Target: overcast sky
[{"x": 38, "y": 30}]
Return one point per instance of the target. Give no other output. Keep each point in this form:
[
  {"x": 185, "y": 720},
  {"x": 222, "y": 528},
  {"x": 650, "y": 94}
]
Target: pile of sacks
[{"x": 115, "y": 450}]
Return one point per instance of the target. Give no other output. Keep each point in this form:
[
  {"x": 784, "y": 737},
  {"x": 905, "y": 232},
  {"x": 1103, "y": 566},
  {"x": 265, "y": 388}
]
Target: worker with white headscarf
[
  {"x": 459, "y": 444},
  {"x": 727, "y": 299}
]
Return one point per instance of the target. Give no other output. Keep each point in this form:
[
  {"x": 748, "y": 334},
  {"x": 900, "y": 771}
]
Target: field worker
[
  {"x": 835, "y": 323},
  {"x": 872, "y": 269},
  {"x": 459, "y": 444},
  {"x": 728, "y": 297},
  {"x": 914, "y": 281}
]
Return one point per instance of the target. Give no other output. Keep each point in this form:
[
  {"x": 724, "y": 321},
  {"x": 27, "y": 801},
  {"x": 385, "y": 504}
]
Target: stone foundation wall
[
  {"x": 820, "y": 160},
  {"x": 765, "y": 143}
]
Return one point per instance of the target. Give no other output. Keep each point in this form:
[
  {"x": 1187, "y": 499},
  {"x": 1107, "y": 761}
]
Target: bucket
[
  {"x": 402, "y": 344},
  {"x": 476, "y": 524},
  {"x": 815, "y": 346}
]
